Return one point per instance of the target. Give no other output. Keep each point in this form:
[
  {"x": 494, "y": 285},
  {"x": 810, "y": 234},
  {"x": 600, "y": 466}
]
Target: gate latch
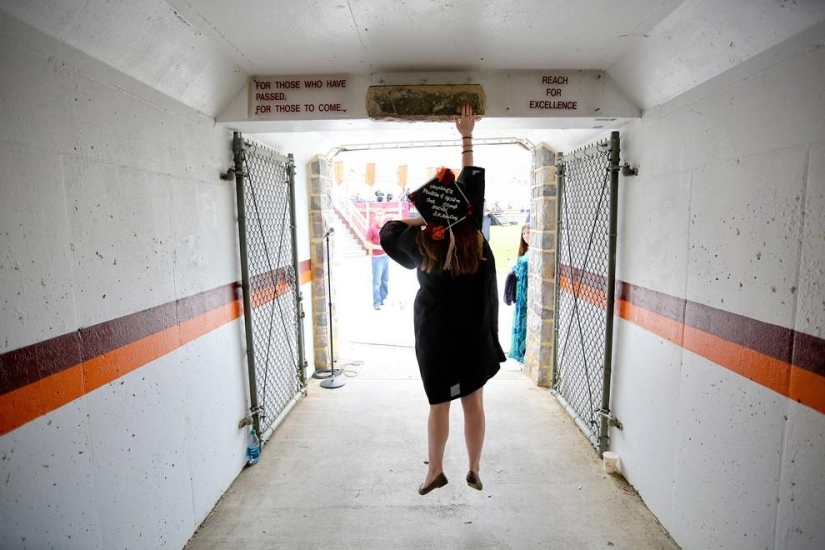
[
  {"x": 627, "y": 170},
  {"x": 247, "y": 420},
  {"x": 229, "y": 175},
  {"x": 611, "y": 419}
]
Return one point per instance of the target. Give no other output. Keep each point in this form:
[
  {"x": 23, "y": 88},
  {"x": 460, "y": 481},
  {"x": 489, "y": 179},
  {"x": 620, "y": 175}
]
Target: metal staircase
[
  {"x": 347, "y": 244},
  {"x": 350, "y": 228},
  {"x": 351, "y": 225}
]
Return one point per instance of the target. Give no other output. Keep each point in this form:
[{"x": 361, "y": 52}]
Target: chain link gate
[
  {"x": 588, "y": 182},
  {"x": 265, "y": 185}
]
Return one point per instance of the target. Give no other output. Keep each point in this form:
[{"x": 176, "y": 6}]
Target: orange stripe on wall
[
  {"x": 595, "y": 296},
  {"x": 767, "y": 371},
  {"x": 195, "y": 328},
  {"x": 40, "y": 397},
  {"x": 305, "y": 272},
  {"x": 791, "y": 381},
  {"x": 655, "y": 323},
  {"x": 34, "y": 400},
  {"x": 102, "y": 369},
  {"x": 783, "y": 378},
  {"x": 267, "y": 294},
  {"x": 807, "y": 388}
]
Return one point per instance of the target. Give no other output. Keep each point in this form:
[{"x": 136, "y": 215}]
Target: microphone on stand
[{"x": 331, "y": 381}]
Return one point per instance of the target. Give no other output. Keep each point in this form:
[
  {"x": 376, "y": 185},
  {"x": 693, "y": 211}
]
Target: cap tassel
[{"x": 448, "y": 263}]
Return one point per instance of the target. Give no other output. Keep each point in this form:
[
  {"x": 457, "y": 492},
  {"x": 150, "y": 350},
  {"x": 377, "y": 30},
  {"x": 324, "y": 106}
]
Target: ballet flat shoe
[
  {"x": 437, "y": 483},
  {"x": 474, "y": 481}
]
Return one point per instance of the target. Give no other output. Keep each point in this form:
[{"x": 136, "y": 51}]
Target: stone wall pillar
[
  {"x": 541, "y": 282},
  {"x": 319, "y": 186}
]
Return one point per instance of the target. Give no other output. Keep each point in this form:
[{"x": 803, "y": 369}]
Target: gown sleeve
[
  {"x": 473, "y": 179},
  {"x": 399, "y": 242}
]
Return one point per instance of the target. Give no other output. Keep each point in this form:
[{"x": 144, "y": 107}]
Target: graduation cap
[{"x": 444, "y": 202}]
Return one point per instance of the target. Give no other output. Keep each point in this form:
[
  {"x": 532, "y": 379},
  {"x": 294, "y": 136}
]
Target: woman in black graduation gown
[{"x": 456, "y": 308}]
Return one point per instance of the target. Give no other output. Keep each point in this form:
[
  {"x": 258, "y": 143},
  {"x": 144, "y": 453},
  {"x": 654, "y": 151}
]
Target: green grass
[{"x": 504, "y": 241}]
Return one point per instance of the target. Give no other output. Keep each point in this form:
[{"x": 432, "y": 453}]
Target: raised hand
[{"x": 466, "y": 121}]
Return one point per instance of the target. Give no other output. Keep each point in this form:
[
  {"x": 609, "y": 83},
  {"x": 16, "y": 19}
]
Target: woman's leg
[
  {"x": 438, "y": 430},
  {"x": 474, "y": 427}
]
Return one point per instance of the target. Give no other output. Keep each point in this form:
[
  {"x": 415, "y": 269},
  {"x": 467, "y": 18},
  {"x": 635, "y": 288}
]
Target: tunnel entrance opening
[
  {"x": 374, "y": 180},
  {"x": 349, "y": 184}
]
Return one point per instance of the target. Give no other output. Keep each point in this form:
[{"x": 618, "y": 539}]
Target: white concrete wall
[
  {"x": 109, "y": 205},
  {"x": 726, "y": 212}
]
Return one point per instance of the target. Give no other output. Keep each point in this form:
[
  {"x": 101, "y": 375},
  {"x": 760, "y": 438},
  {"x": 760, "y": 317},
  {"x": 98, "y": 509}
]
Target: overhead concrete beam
[
  {"x": 423, "y": 102},
  {"x": 521, "y": 98}
]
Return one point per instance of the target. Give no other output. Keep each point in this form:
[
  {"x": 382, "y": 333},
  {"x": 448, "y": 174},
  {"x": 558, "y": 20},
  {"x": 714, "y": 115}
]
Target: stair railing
[{"x": 356, "y": 221}]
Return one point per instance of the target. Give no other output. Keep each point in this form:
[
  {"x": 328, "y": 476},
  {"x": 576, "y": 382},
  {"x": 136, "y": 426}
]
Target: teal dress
[{"x": 519, "y": 341}]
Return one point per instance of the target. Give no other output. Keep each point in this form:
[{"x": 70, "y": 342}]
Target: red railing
[{"x": 358, "y": 215}]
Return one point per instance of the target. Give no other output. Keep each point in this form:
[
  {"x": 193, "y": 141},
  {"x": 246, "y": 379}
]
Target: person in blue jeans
[{"x": 380, "y": 261}]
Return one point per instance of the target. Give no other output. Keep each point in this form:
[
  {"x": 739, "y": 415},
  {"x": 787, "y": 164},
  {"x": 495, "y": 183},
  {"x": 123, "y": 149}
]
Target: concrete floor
[{"x": 343, "y": 469}]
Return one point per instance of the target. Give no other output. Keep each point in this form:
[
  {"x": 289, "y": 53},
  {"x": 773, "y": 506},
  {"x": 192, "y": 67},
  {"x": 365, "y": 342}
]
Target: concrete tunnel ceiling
[{"x": 202, "y": 54}]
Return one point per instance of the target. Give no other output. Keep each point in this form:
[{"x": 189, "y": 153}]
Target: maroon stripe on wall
[
  {"x": 270, "y": 278},
  {"x": 657, "y": 302},
  {"x": 206, "y": 301},
  {"x": 576, "y": 275},
  {"x": 109, "y": 335},
  {"x": 809, "y": 353},
  {"x": 31, "y": 363},
  {"x": 772, "y": 340},
  {"x": 797, "y": 348}
]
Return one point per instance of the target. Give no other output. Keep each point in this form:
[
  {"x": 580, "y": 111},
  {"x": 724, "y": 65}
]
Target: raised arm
[
  {"x": 465, "y": 124},
  {"x": 415, "y": 222}
]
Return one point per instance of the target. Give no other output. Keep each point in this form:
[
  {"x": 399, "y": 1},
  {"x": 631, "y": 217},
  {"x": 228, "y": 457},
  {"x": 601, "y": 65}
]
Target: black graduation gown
[{"x": 455, "y": 318}]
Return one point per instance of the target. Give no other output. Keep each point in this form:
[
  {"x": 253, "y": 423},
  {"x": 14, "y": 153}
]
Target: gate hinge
[
  {"x": 611, "y": 419},
  {"x": 627, "y": 170},
  {"x": 229, "y": 175},
  {"x": 247, "y": 420}
]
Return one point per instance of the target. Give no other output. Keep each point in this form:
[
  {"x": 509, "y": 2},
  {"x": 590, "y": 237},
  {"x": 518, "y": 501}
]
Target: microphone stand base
[
  {"x": 332, "y": 383},
  {"x": 327, "y": 373}
]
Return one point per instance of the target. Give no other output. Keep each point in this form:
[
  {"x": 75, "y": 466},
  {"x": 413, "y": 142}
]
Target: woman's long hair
[
  {"x": 523, "y": 246},
  {"x": 468, "y": 250}
]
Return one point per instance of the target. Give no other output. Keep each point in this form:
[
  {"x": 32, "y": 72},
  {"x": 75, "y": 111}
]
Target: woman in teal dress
[{"x": 519, "y": 341}]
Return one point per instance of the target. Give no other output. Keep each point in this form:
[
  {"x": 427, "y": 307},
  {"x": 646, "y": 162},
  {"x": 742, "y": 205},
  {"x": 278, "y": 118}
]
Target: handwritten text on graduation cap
[{"x": 444, "y": 202}]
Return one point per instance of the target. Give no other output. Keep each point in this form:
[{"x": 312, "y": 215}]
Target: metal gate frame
[
  {"x": 593, "y": 418},
  {"x": 272, "y": 301}
]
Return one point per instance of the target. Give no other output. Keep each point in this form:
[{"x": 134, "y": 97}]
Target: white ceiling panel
[
  {"x": 146, "y": 40},
  {"x": 201, "y": 52},
  {"x": 364, "y": 36},
  {"x": 704, "y": 38}
]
